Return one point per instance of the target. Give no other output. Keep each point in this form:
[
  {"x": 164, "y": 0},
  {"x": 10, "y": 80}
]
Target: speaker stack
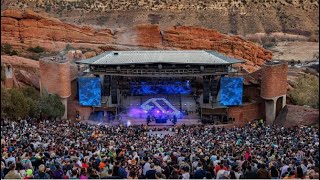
[
  {"x": 114, "y": 93},
  {"x": 206, "y": 91}
]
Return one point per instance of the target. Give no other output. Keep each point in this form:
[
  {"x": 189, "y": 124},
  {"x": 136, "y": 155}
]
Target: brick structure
[
  {"x": 274, "y": 80},
  {"x": 55, "y": 78},
  {"x": 246, "y": 113},
  {"x": 273, "y": 88}
]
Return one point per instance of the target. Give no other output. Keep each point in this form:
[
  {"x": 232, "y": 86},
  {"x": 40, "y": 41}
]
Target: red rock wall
[
  {"x": 55, "y": 77},
  {"x": 274, "y": 80},
  {"x": 246, "y": 113},
  {"x": 24, "y": 29}
]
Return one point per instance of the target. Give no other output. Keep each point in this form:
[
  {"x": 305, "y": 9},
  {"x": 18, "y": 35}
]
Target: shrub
[
  {"x": 7, "y": 48},
  {"x": 51, "y": 106},
  {"x": 36, "y": 49},
  {"x": 68, "y": 47},
  {"x": 18, "y": 106},
  {"x": 306, "y": 91},
  {"x": 14, "y": 52}
]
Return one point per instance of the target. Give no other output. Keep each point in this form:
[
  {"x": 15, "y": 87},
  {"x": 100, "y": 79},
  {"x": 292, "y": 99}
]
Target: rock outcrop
[
  {"x": 24, "y": 29},
  {"x": 294, "y": 115},
  {"x": 26, "y": 71}
]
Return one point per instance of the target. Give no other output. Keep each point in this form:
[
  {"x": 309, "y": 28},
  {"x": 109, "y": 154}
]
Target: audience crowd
[{"x": 75, "y": 150}]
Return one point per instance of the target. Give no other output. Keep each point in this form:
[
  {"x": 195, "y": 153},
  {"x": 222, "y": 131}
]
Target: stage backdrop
[
  {"x": 89, "y": 91},
  {"x": 231, "y": 90}
]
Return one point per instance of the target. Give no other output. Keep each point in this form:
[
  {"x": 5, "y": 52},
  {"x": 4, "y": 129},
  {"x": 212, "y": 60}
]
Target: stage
[
  {"x": 159, "y": 88},
  {"x": 129, "y": 121}
]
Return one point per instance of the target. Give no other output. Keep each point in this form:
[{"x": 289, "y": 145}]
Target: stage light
[
  {"x": 158, "y": 111},
  {"x": 128, "y": 123}
]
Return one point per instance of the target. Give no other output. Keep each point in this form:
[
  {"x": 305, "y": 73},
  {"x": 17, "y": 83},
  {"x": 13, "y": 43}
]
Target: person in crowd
[
  {"x": 29, "y": 174},
  {"x": 41, "y": 173},
  {"x": 12, "y": 174},
  {"x": 151, "y": 173}
]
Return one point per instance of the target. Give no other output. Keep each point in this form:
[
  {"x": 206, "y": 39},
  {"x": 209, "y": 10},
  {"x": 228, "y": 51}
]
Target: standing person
[
  {"x": 29, "y": 174},
  {"x": 274, "y": 172},
  {"x": 2, "y": 169},
  {"x": 12, "y": 174},
  {"x": 83, "y": 174},
  {"x": 185, "y": 173},
  {"x": 263, "y": 173},
  {"x": 151, "y": 174},
  {"x": 41, "y": 174},
  {"x": 132, "y": 175},
  {"x": 122, "y": 170},
  {"x": 249, "y": 173},
  {"x": 146, "y": 166},
  {"x": 200, "y": 173}
]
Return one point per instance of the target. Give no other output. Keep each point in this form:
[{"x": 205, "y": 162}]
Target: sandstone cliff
[
  {"x": 24, "y": 29},
  {"x": 233, "y": 16}
]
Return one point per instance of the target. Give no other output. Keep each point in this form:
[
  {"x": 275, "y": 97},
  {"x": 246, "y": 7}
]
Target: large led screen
[
  {"x": 231, "y": 90},
  {"x": 89, "y": 91},
  {"x": 163, "y": 87}
]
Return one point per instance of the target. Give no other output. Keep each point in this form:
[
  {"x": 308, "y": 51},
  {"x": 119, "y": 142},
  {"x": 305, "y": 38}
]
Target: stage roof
[{"x": 160, "y": 56}]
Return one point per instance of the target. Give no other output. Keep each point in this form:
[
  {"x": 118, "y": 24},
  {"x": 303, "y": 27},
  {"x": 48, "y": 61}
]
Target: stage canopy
[{"x": 164, "y": 56}]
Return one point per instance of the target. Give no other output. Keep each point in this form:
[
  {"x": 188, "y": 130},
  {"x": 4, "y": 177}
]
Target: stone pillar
[
  {"x": 284, "y": 101},
  {"x": 65, "y": 103},
  {"x": 270, "y": 111},
  {"x": 55, "y": 79},
  {"x": 273, "y": 86}
]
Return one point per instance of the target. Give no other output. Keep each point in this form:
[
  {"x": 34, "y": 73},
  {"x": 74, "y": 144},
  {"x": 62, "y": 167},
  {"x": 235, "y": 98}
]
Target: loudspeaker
[
  {"x": 205, "y": 91},
  {"x": 114, "y": 93},
  {"x": 214, "y": 89},
  {"x": 106, "y": 86}
]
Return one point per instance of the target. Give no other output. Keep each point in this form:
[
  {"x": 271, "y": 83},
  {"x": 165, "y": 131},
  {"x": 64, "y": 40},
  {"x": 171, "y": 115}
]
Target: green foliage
[
  {"x": 18, "y": 107},
  {"x": 34, "y": 107},
  {"x": 5, "y": 102},
  {"x": 31, "y": 92},
  {"x": 13, "y": 53},
  {"x": 306, "y": 91},
  {"x": 36, "y": 49},
  {"x": 27, "y": 102},
  {"x": 51, "y": 106},
  {"x": 68, "y": 47},
  {"x": 7, "y": 48}
]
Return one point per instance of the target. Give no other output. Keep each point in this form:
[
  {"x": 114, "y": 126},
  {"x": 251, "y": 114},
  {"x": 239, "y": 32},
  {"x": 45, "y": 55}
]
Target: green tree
[
  {"x": 33, "y": 99},
  {"x": 51, "y": 106},
  {"x": 34, "y": 108},
  {"x": 306, "y": 91},
  {"x": 31, "y": 92},
  {"x": 5, "y": 102},
  {"x": 18, "y": 106}
]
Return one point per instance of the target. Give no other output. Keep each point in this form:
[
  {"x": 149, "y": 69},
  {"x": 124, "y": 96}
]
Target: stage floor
[{"x": 128, "y": 121}]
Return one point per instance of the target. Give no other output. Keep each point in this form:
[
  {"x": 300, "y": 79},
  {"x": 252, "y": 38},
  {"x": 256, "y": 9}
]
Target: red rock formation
[
  {"x": 24, "y": 29},
  {"x": 199, "y": 38},
  {"x": 26, "y": 71}
]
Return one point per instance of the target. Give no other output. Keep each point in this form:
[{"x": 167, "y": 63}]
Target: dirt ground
[{"x": 303, "y": 51}]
